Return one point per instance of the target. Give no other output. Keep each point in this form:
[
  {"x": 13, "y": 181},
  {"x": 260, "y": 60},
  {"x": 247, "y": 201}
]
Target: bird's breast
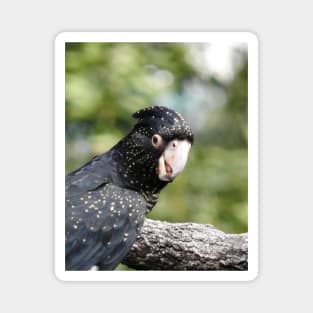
[{"x": 151, "y": 199}]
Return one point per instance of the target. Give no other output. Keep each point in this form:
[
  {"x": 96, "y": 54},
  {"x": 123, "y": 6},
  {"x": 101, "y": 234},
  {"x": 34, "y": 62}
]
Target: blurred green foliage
[{"x": 106, "y": 83}]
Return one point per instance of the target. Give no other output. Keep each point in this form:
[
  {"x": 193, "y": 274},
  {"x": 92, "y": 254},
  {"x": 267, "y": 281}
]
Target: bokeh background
[{"x": 207, "y": 83}]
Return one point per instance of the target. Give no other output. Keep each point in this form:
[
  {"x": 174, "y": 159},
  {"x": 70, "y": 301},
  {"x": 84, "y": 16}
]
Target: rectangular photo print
[{"x": 156, "y": 156}]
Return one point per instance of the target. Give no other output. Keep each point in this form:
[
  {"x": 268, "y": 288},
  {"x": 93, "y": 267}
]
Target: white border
[{"x": 253, "y": 148}]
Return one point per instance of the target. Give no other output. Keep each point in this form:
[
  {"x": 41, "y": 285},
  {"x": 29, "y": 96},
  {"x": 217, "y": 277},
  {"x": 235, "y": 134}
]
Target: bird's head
[
  {"x": 169, "y": 136},
  {"x": 157, "y": 148}
]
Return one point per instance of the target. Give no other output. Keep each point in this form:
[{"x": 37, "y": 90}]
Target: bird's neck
[{"x": 136, "y": 166}]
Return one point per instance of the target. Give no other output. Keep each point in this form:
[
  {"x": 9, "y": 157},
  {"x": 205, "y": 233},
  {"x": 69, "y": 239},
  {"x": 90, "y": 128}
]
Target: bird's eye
[
  {"x": 156, "y": 140},
  {"x": 174, "y": 144}
]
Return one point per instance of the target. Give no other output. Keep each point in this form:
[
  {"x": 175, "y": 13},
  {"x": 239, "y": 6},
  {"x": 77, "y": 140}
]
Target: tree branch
[{"x": 187, "y": 246}]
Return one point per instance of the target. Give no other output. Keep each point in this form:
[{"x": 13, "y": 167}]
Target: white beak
[{"x": 173, "y": 159}]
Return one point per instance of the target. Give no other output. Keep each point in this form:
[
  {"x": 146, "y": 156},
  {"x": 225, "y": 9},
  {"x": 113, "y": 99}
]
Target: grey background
[{"x": 26, "y": 68}]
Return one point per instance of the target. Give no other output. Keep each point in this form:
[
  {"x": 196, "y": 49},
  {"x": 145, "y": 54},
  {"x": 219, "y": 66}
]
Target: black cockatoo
[{"x": 107, "y": 198}]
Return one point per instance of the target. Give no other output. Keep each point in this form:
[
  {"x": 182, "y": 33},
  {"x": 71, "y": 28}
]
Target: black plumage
[{"x": 107, "y": 198}]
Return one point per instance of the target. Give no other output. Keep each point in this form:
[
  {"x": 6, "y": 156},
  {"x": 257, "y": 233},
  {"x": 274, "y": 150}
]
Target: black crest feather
[{"x": 164, "y": 121}]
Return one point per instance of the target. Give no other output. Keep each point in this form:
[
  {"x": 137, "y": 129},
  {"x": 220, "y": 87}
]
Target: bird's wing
[
  {"x": 97, "y": 172},
  {"x": 101, "y": 226}
]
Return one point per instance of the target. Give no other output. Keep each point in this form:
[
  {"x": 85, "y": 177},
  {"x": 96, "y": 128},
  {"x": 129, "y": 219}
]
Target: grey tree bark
[{"x": 187, "y": 246}]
